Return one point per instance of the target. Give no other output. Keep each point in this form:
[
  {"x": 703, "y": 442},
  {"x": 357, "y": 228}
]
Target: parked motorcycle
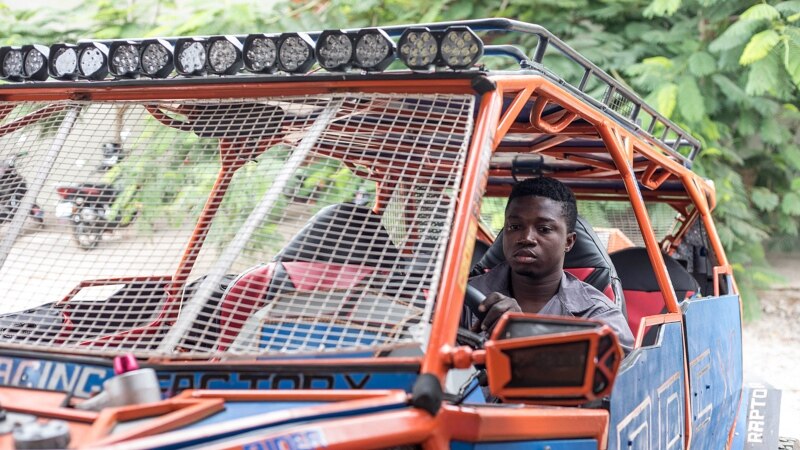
[
  {"x": 12, "y": 189},
  {"x": 97, "y": 208},
  {"x": 91, "y": 209}
]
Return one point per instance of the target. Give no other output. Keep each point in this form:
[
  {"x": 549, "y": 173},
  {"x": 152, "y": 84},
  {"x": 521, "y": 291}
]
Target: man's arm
[{"x": 612, "y": 316}]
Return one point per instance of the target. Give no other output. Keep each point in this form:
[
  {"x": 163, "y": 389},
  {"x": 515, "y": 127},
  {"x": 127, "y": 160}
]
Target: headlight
[
  {"x": 334, "y": 50},
  {"x": 374, "y": 50},
  {"x": 124, "y": 59},
  {"x": 190, "y": 56},
  {"x": 64, "y": 61},
  {"x": 224, "y": 55},
  {"x": 92, "y": 60},
  {"x": 35, "y": 62},
  {"x": 260, "y": 53},
  {"x": 418, "y": 48},
  {"x": 11, "y": 68},
  {"x": 460, "y": 48},
  {"x": 295, "y": 52},
  {"x": 156, "y": 58}
]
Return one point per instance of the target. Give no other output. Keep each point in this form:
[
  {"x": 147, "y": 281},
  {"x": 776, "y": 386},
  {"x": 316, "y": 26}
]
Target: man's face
[{"x": 535, "y": 237}]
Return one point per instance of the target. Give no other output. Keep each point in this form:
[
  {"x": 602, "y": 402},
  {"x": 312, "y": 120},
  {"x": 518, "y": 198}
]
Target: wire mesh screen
[{"x": 228, "y": 227}]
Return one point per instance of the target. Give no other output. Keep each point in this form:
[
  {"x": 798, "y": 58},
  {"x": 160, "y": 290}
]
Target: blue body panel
[
  {"x": 647, "y": 404},
  {"x": 567, "y": 444},
  {"x": 715, "y": 367},
  {"x": 82, "y": 379},
  {"x": 277, "y": 337}
]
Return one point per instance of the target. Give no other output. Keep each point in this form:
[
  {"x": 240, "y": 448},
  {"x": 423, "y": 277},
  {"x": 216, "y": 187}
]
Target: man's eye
[
  {"x": 512, "y": 227},
  {"x": 545, "y": 230}
]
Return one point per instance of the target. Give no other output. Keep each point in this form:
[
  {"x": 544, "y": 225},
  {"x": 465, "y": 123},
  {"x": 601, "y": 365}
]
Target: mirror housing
[{"x": 551, "y": 360}]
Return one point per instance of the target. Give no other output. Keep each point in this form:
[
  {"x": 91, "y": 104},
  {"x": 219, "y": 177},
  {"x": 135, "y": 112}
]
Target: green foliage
[{"x": 759, "y": 46}]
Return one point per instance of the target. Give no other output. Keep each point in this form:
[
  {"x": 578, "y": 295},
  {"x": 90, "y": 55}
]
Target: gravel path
[{"x": 772, "y": 343}]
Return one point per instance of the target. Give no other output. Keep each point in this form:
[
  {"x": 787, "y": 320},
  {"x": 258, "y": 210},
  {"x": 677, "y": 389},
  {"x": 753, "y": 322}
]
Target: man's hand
[{"x": 495, "y": 305}]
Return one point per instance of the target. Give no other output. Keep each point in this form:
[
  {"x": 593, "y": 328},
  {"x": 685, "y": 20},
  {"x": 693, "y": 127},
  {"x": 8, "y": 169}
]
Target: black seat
[
  {"x": 588, "y": 261},
  {"x": 344, "y": 233}
]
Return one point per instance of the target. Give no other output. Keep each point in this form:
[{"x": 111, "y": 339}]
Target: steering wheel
[{"x": 473, "y": 299}]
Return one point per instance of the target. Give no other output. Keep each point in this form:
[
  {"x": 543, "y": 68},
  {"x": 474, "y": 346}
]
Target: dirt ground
[{"x": 772, "y": 343}]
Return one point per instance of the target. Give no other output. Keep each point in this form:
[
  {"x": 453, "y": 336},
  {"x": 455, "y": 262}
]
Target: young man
[{"x": 539, "y": 230}]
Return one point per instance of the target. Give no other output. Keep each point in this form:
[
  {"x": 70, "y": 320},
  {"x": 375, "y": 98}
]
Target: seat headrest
[
  {"x": 637, "y": 274},
  {"x": 342, "y": 234},
  {"x": 588, "y": 252}
]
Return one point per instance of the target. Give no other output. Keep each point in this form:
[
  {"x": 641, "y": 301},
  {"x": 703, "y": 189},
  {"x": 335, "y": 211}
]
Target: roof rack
[{"x": 595, "y": 86}]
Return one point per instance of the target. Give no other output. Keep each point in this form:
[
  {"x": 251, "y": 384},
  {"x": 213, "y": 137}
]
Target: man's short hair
[{"x": 552, "y": 189}]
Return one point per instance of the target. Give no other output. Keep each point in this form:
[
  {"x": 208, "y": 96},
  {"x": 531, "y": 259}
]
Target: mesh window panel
[
  {"x": 227, "y": 228},
  {"x": 614, "y": 222}
]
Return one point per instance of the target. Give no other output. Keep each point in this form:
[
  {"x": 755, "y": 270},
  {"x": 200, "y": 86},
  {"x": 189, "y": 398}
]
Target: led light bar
[
  {"x": 124, "y": 60},
  {"x": 156, "y": 58},
  {"x": 460, "y": 48},
  {"x": 11, "y": 63},
  {"x": 295, "y": 52},
  {"x": 457, "y": 47},
  {"x": 63, "y": 61},
  {"x": 260, "y": 53},
  {"x": 191, "y": 56},
  {"x": 92, "y": 60},
  {"x": 369, "y": 49},
  {"x": 374, "y": 50},
  {"x": 224, "y": 55},
  {"x": 34, "y": 62},
  {"x": 334, "y": 50}
]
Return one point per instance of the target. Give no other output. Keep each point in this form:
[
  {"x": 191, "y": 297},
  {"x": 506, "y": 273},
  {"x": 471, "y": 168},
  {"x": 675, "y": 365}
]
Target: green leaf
[
  {"x": 664, "y": 99},
  {"x": 791, "y": 204},
  {"x": 759, "y": 46},
  {"x": 702, "y": 64},
  {"x": 761, "y": 11},
  {"x": 729, "y": 88},
  {"x": 661, "y": 61},
  {"x": 763, "y": 77},
  {"x": 764, "y": 199},
  {"x": 660, "y": 8},
  {"x": 788, "y": 8},
  {"x": 791, "y": 58},
  {"x": 792, "y": 156},
  {"x": 735, "y": 35},
  {"x": 690, "y": 100}
]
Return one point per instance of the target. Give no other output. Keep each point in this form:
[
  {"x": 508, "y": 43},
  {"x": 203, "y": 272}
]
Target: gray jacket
[{"x": 573, "y": 299}]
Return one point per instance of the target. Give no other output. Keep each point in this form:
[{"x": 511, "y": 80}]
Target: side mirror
[{"x": 551, "y": 360}]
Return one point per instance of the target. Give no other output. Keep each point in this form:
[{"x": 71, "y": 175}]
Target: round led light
[
  {"x": 156, "y": 59},
  {"x": 418, "y": 48},
  {"x": 334, "y": 50},
  {"x": 12, "y": 63},
  {"x": 34, "y": 61},
  {"x": 260, "y": 53},
  {"x": 125, "y": 59},
  {"x": 374, "y": 50},
  {"x": 63, "y": 61},
  {"x": 92, "y": 59},
  {"x": 224, "y": 55},
  {"x": 460, "y": 48},
  {"x": 295, "y": 52},
  {"x": 190, "y": 57}
]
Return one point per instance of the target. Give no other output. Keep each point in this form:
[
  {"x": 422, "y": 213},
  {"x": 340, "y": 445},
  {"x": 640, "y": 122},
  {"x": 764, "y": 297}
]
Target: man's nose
[{"x": 529, "y": 236}]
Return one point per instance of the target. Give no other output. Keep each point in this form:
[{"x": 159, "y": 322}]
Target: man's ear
[{"x": 571, "y": 236}]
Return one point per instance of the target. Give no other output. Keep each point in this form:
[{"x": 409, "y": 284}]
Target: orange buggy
[{"x": 309, "y": 209}]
